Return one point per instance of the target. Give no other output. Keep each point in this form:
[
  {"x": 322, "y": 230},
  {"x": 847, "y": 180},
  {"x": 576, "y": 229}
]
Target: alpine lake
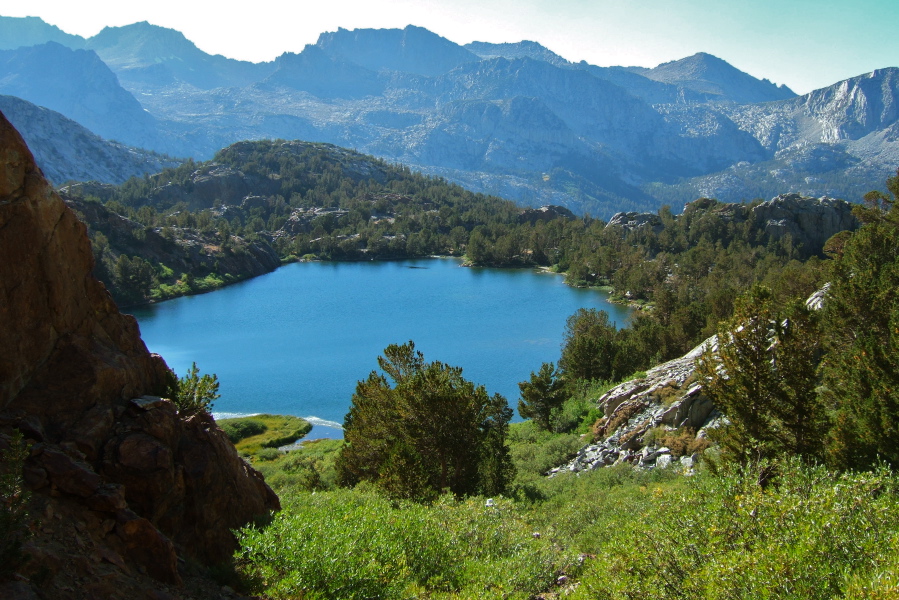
[{"x": 296, "y": 341}]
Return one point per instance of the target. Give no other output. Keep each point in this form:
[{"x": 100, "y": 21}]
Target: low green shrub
[
  {"x": 534, "y": 451},
  {"x": 268, "y": 454},
  {"x": 356, "y": 544},
  {"x": 812, "y": 535},
  {"x": 308, "y": 468}
]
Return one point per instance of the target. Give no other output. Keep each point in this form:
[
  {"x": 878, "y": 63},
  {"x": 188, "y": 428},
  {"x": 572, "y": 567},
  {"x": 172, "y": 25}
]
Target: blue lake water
[{"x": 297, "y": 340}]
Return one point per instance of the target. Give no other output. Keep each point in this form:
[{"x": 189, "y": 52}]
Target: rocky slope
[
  {"x": 641, "y": 412},
  {"x": 124, "y": 490},
  {"x": 660, "y": 420},
  {"x": 838, "y": 141},
  {"x": 77, "y": 84},
  {"x": 66, "y": 151}
]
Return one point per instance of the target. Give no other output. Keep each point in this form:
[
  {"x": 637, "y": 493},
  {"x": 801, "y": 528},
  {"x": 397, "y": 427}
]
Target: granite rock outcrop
[{"x": 638, "y": 413}]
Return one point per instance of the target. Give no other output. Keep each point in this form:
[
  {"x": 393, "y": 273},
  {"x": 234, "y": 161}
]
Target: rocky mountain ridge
[
  {"x": 66, "y": 151},
  {"x": 511, "y": 119},
  {"x": 808, "y": 222},
  {"x": 125, "y": 488}
]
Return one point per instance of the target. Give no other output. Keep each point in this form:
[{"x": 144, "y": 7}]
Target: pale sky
[{"x": 806, "y": 44}]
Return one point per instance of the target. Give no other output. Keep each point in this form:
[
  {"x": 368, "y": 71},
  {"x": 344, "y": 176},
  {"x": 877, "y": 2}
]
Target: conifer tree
[
  {"x": 861, "y": 367},
  {"x": 541, "y": 395},
  {"x": 423, "y": 430},
  {"x": 762, "y": 376}
]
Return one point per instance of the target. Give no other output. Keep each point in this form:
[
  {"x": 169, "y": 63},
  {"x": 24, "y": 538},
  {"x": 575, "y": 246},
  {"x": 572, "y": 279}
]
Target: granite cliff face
[{"x": 123, "y": 485}]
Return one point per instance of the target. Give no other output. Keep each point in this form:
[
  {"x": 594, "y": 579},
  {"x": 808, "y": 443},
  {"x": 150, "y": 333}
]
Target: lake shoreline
[{"x": 234, "y": 280}]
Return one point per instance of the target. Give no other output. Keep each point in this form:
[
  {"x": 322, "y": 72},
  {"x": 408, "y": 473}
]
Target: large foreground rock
[{"x": 125, "y": 488}]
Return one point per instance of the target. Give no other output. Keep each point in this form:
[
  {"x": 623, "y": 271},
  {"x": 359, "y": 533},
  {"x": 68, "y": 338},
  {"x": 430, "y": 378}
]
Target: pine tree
[
  {"x": 762, "y": 376},
  {"x": 423, "y": 430},
  {"x": 861, "y": 367},
  {"x": 541, "y": 395}
]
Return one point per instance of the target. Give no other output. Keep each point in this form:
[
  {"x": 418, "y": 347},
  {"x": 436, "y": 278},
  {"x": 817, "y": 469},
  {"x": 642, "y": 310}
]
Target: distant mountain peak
[
  {"x": 143, "y": 53},
  {"x": 716, "y": 79},
  {"x": 512, "y": 50},
  {"x": 412, "y": 49},
  {"x": 16, "y": 32}
]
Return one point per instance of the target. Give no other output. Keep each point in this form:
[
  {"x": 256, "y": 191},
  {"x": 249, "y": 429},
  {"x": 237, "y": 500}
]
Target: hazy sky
[{"x": 805, "y": 44}]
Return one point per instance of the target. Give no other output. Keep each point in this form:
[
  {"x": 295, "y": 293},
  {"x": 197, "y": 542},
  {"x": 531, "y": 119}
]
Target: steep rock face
[
  {"x": 137, "y": 482},
  {"x": 77, "y": 84},
  {"x": 60, "y": 326}
]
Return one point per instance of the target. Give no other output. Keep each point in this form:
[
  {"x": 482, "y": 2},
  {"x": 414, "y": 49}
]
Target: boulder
[
  {"x": 632, "y": 221},
  {"x": 810, "y": 222}
]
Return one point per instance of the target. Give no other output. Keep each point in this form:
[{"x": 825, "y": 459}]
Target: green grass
[
  {"x": 349, "y": 544},
  {"x": 251, "y": 434},
  {"x": 309, "y": 468}
]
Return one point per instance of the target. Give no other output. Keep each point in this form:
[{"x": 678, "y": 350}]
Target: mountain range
[{"x": 514, "y": 120}]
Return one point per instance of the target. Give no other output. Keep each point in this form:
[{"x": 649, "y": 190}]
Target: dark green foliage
[
  {"x": 132, "y": 279},
  {"x": 541, "y": 396},
  {"x": 430, "y": 431},
  {"x": 13, "y": 505},
  {"x": 195, "y": 393},
  {"x": 861, "y": 368},
  {"x": 762, "y": 376},
  {"x": 588, "y": 345},
  {"x": 239, "y": 429}
]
